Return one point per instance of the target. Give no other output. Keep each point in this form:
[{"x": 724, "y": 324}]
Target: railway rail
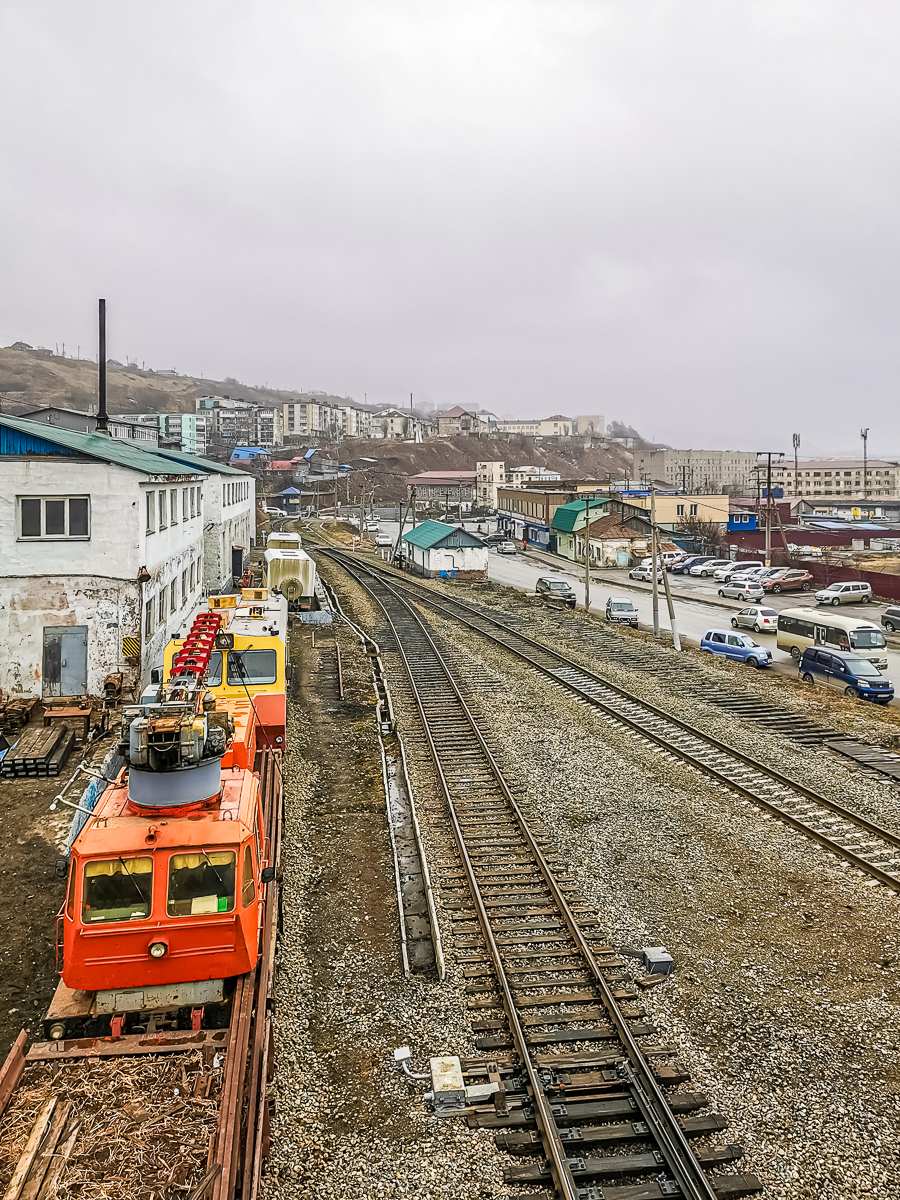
[
  {"x": 864, "y": 845},
  {"x": 240, "y": 1145},
  {"x": 540, "y": 977}
]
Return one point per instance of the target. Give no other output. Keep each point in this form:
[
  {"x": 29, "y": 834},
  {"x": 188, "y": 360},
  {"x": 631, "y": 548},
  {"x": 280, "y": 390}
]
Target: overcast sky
[{"x": 681, "y": 215}]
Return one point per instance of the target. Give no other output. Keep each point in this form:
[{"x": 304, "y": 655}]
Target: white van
[{"x": 799, "y": 628}]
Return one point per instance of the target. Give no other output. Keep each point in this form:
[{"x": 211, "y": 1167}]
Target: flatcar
[
  {"x": 250, "y": 659},
  {"x": 167, "y": 877}
]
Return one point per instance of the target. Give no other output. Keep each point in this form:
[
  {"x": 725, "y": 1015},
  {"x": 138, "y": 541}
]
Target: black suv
[
  {"x": 558, "y": 589},
  {"x": 890, "y": 618}
]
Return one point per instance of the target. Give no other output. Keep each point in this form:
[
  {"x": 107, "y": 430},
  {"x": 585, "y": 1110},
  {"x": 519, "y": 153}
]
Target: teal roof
[
  {"x": 200, "y": 464},
  {"x": 101, "y": 446},
  {"x": 432, "y": 533},
  {"x": 569, "y": 517}
]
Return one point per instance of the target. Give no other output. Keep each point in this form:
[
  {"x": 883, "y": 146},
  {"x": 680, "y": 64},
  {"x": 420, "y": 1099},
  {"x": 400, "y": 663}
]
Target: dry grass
[{"x": 143, "y": 1133}]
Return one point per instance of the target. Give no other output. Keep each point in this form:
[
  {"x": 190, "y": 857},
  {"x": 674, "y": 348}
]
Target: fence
[{"x": 884, "y": 586}]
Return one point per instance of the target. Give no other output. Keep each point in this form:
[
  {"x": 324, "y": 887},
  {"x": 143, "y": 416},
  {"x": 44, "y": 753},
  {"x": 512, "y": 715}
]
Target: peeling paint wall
[
  {"x": 225, "y": 525},
  {"x": 110, "y": 608}
]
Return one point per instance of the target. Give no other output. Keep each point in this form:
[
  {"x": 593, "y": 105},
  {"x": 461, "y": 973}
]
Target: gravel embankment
[
  {"x": 346, "y": 1124},
  {"x": 785, "y": 1002}
]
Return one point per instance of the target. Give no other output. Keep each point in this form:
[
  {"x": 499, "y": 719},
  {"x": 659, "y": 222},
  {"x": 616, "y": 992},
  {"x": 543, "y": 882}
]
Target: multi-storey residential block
[
  {"x": 556, "y": 426},
  {"x": 517, "y": 476},
  {"x": 847, "y": 478},
  {"x": 489, "y": 476},
  {"x": 698, "y": 470}
]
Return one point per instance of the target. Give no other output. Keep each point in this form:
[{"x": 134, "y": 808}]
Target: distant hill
[{"x": 35, "y": 378}]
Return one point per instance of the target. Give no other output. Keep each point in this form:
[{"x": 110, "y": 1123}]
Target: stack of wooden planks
[
  {"x": 46, "y": 1153},
  {"x": 41, "y": 750},
  {"x": 14, "y": 713}
]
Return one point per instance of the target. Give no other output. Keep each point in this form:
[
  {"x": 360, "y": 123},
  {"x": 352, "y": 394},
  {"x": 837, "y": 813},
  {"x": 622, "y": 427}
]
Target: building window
[
  {"x": 184, "y": 504},
  {"x": 192, "y": 578},
  {"x": 693, "y": 510},
  {"x": 679, "y": 510},
  {"x": 173, "y": 596},
  {"x": 151, "y": 512},
  {"x": 162, "y": 607},
  {"x": 173, "y": 506},
  {"x": 148, "y": 618},
  {"x": 163, "y": 510},
  {"x": 193, "y": 511},
  {"x": 46, "y": 517},
  {"x": 184, "y": 586}
]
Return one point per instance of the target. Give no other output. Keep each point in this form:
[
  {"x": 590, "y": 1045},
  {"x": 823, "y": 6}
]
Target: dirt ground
[{"x": 31, "y": 894}]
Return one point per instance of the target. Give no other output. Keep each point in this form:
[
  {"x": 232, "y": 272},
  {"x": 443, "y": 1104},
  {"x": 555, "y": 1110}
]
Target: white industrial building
[
  {"x": 103, "y": 546},
  {"x": 699, "y": 470}
]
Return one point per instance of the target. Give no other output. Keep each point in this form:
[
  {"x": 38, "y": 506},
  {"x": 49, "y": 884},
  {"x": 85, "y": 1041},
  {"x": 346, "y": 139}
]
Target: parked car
[
  {"x": 742, "y": 589},
  {"x": 788, "y": 581},
  {"x": 274, "y": 512},
  {"x": 644, "y": 572},
  {"x": 735, "y": 568},
  {"x": 801, "y": 629},
  {"x": 494, "y": 539},
  {"x": 557, "y": 589},
  {"x": 621, "y": 612},
  {"x": 845, "y": 593},
  {"x": 505, "y": 547},
  {"x": 890, "y": 619},
  {"x": 739, "y": 647},
  {"x": 665, "y": 557},
  {"x": 843, "y": 669},
  {"x": 760, "y": 620},
  {"x": 707, "y": 568},
  {"x": 383, "y": 539},
  {"x": 671, "y": 563},
  {"x": 683, "y": 567}
]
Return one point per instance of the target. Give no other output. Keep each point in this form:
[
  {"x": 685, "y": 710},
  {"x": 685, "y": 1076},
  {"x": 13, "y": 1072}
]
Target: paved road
[{"x": 703, "y": 610}]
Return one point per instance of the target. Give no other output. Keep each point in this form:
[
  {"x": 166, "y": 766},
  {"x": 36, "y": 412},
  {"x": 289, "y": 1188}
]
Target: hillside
[
  {"x": 35, "y": 378},
  {"x": 396, "y": 460}
]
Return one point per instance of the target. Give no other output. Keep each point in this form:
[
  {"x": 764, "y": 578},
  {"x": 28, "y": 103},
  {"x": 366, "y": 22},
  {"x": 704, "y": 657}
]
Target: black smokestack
[{"x": 102, "y": 422}]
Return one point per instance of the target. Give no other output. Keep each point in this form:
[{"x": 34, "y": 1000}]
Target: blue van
[
  {"x": 739, "y": 647},
  {"x": 853, "y": 675}
]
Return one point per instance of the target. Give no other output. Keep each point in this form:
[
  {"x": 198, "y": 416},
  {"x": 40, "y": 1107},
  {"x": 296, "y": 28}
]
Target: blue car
[
  {"x": 738, "y": 646},
  {"x": 684, "y": 566},
  {"x": 851, "y": 674}
]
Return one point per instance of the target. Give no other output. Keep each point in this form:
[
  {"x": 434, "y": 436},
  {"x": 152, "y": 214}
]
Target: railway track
[
  {"x": 239, "y": 1147},
  {"x": 864, "y": 845},
  {"x": 543, "y": 983}
]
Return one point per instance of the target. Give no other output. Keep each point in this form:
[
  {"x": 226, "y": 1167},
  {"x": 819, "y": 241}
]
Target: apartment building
[
  {"x": 519, "y": 476},
  {"x": 847, "y": 478},
  {"x": 556, "y": 426},
  {"x": 355, "y": 422},
  {"x": 131, "y": 428},
  {"x": 233, "y": 422},
  {"x": 489, "y": 476},
  {"x": 698, "y": 470},
  {"x": 312, "y": 418},
  {"x": 397, "y": 423},
  {"x": 448, "y": 489}
]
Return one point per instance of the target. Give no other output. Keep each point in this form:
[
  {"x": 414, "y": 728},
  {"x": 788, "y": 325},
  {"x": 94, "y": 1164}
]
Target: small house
[{"x": 440, "y": 551}]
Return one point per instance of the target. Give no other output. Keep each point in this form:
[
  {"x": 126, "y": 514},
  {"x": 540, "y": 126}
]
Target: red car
[{"x": 788, "y": 581}]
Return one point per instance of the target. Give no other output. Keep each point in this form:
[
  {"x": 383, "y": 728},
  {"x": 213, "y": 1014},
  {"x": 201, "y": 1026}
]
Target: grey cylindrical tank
[{"x": 171, "y": 789}]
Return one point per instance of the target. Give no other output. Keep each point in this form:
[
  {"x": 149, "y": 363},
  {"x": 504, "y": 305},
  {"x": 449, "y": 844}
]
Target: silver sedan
[
  {"x": 760, "y": 620},
  {"x": 742, "y": 589}
]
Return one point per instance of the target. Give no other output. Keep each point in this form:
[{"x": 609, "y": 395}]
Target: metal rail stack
[{"x": 541, "y": 977}]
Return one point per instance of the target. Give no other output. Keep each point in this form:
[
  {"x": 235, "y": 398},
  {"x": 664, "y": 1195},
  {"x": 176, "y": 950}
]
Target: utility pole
[
  {"x": 587, "y": 555},
  {"x": 768, "y": 454},
  {"x": 864, "y": 434},
  {"x": 653, "y": 567}
]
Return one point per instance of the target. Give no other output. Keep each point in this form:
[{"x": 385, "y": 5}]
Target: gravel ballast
[{"x": 784, "y": 1005}]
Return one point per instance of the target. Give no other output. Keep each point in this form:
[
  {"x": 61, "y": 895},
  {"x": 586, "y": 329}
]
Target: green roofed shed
[
  {"x": 569, "y": 517},
  {"x": 436, "y": 549}
]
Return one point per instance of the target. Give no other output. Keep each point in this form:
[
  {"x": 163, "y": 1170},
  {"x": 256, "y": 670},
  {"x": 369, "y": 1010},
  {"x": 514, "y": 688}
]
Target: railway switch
[{"x": 448, "y": 1089}]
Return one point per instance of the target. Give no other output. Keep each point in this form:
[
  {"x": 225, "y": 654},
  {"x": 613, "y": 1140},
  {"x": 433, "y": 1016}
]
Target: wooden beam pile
[
  {"x": 14, "y": 713},
  {"x": 46, "y": 1153},
  {"x": 41, "y": 750}
]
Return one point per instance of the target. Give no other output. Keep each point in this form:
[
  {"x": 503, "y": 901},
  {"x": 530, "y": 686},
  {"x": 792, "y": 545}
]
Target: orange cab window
[
  {"x": 248, "y": 884},
  {"x": 201, "y": 884},
  {"x": 117, "y": 889}
]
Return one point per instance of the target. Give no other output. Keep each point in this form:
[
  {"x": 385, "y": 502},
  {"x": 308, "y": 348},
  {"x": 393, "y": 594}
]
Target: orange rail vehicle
[{"x": 167, "y": 878}]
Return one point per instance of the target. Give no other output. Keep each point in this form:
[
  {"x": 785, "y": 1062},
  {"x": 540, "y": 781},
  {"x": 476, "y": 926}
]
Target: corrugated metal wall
[{"x": 12, "y": 441}]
